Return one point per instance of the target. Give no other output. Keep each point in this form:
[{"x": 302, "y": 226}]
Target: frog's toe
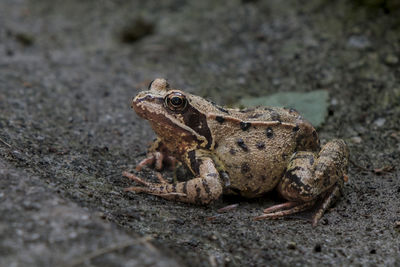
[
  {"x": 159, "y": 159},
  {"x": 284, "y": 210},
  {"x": 163, "y": 189},
  {"x": 326, "y": 203},
  {"x": 156, "y": 158},
  {"x": 161, "y": 178},
  {"x": 137, "y": 189},
  {"x": 164, "y": 160},
  {"x": 147, "y": 161},
  {"x": 135, "y": 178},
  {"x": 154, "y": 189},
  {"x": 278, "y": 207}
]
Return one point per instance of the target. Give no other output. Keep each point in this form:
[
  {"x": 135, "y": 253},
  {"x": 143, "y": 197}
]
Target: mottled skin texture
[{"x": 246, "y": 152}]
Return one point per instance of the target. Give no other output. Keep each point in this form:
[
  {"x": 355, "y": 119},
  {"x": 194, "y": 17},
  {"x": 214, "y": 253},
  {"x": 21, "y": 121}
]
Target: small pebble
[
  {"x": 291, "y": 245},
  {"x": 213, "y": 237},
  {"x": 380, "y": 122},
  {"x": 391, "y": 59},
  {"x": 356, "y": 140},
  {"x": 359, "y": 41},
  {"x": 324, "y": 221},
  {"x": 318, "y": 248}
]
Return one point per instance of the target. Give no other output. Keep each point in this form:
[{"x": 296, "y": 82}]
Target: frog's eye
[{"x": 175, "y": 101}]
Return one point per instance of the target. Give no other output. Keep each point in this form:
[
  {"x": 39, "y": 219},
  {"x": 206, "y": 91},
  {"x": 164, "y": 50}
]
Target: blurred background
[{"x": 69, "y": 69}]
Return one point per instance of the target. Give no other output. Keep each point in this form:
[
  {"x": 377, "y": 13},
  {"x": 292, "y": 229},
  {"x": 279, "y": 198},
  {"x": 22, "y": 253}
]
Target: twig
[
  {"x": 109, "y": 249},
  {"x": 384, "y": 169},
  {"x": 4, "y": 142},
  {"x": 358, "y": 166}
]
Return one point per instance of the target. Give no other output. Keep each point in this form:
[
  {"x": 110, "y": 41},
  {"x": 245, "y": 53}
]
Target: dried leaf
[{"x": 312, "y": 105}]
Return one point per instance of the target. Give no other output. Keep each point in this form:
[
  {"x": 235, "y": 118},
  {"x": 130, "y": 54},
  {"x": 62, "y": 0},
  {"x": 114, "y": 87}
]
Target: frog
[{"x": 246, "y": 152}]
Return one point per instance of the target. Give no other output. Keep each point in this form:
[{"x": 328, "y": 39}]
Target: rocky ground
[{"x": 68, "y": 70}]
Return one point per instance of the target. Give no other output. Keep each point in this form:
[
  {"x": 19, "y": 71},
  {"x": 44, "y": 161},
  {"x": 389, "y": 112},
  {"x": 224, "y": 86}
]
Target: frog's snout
[
  {"x": 138, "y": 102},
  {"x": 146, "y": 103}
]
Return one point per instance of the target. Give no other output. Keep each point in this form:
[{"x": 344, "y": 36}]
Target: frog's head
[{"x": 177, "y": 117}]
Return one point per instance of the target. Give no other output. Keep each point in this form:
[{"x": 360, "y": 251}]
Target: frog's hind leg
[
  {"x": 310, "y": 177},
  {"x": 201, "y": 190}
]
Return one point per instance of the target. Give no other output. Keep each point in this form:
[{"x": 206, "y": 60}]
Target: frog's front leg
[
  {"x": 203, "y": 189},
  {"x": 157, "y": 154},
  {"x": 309, "y": 177}
]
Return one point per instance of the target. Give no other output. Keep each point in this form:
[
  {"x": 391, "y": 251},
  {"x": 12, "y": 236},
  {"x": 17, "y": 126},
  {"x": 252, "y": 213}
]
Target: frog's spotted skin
[{"x": 246, "y": 152}]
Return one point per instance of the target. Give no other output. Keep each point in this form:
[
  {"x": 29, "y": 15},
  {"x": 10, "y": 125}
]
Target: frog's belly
[
  {"x": 254, "y": 174},
  {"x": 249, "y": 179}
]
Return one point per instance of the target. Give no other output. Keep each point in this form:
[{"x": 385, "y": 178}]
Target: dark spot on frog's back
[
  {"x": 245, "y": 125},
  {"x": 232, "y": 151},
  {"x": 222, "y": 109},
  {"x": 245, "y": 168},
  {"x": 269, "y": 132},
  {"x": 220, "y": 119},
  {"x": 242, "y": 145},
  {"x": 296, "y": 128},
  {"x": 218, "y": 107},
  {"x": 260, "y": 145}
]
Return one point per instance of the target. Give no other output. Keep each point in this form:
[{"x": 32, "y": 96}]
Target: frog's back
[{"x": 256, "y": 145}]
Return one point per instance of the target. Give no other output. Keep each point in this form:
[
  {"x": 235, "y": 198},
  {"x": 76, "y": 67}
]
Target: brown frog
[{"x": 246, "y": 152}]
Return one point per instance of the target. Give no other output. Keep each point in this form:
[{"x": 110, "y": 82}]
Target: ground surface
[{"x": 68, "y": 70}]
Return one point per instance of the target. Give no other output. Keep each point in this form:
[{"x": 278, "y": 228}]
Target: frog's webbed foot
[
  {"x": 201, "y": 190},
  {"x": 290, "y": 207},
  {"x": 281, "y": 210},
  {"x": 312, "y": 177}
]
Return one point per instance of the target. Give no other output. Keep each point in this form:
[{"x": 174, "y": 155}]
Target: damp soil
[{"x": 68, "y": 70}]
